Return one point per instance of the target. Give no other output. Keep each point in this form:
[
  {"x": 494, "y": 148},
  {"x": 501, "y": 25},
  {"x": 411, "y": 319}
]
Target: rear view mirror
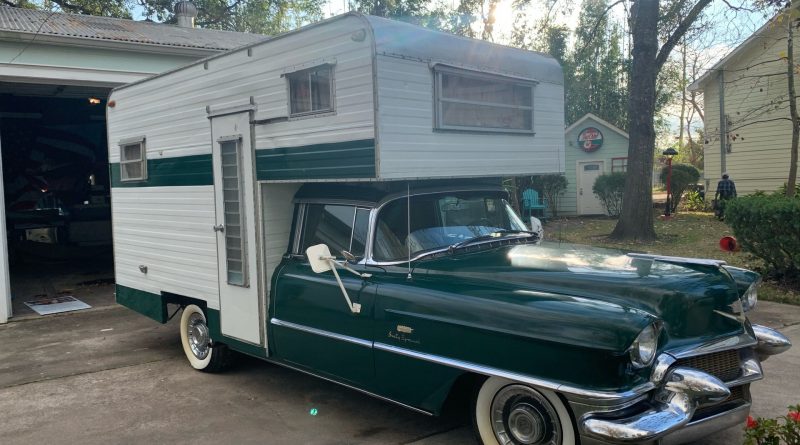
[{"x": 319, "y": 256}]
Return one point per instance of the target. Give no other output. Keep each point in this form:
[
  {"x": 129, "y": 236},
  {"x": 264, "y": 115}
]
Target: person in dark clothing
[{"x": 726, "y": 190}]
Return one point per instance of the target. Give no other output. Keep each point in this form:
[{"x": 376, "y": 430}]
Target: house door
[
  {"x": 237, "y": 254},
  {"x": 588, "y": 204}
]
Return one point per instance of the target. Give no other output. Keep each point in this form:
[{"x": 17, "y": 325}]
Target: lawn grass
[{"x": 687, "y": 234}]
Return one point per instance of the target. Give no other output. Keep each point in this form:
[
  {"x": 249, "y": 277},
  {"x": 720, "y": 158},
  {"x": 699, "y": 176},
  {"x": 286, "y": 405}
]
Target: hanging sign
[{"x": 590, "y": 139}]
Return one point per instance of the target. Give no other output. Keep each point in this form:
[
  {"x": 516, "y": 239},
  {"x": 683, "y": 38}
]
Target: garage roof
[{"x": 35, "y": 22}]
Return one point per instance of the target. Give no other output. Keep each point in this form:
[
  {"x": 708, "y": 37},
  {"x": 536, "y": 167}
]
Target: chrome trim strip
[
  {"x": 678, "y": 259},
  {"x": 320, "y": 332},
  {"x": 332, "y": 380},
  {"x": 741, "y": 341},
  {"x": 603, "y": 397}
]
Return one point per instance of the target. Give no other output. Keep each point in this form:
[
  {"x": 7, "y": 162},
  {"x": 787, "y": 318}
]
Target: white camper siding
[
  {"x": 168, "y": 230},
  {"x": 410, "y": 148},
  {"x": 170, "y": 110},
  {"x": 277, "y": 211}
]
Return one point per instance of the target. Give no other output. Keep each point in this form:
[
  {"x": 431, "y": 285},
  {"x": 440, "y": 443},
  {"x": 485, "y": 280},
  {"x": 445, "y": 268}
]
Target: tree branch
[
  {"x": 738, "y": 8},
  {"x": 679, "y": 32},
  {"x": 760, "y": 122},
  {"x": 597, "y": 25}
]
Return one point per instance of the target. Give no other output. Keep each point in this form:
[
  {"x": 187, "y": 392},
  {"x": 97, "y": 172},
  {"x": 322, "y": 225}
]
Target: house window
[
  {"x": 619, "y": 165},
  {"x": 133, "y": 160},
  {"x": 472, "y": 101},
  {"x": 311, "y": 91}
]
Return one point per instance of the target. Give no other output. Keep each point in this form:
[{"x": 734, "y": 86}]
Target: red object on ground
[{"x": 728, "y": 244}]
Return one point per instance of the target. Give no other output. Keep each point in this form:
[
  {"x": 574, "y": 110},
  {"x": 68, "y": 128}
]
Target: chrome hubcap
[
  {"x": 199, "y": 339},
  {"x": 522, "y": 416}
]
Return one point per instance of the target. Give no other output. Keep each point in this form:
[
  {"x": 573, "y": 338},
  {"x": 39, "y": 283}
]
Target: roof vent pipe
[{"x": 186, "y": 13}]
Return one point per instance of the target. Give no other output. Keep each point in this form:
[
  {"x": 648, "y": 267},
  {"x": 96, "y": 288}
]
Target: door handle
[
  {"x": 219, "y": 228},
  {"x": 581, "y": 192}
]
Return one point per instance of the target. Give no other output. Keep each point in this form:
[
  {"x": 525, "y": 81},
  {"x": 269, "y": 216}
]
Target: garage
[
  {"x": 56, "y": 191},
  {"x": 56, "y": 72}
]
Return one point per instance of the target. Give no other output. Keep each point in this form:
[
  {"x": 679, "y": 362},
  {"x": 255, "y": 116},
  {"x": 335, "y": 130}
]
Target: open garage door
[{"x": 56, "y": 191}]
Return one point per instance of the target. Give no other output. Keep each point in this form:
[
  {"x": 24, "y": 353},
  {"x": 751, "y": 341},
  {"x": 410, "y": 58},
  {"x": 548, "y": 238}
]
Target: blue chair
[{"x": 531, "y": 201}]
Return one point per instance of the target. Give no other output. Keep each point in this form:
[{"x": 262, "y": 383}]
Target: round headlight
[
  {"x": 643, "y": 349},
  {"x": 750, "y": 297}
]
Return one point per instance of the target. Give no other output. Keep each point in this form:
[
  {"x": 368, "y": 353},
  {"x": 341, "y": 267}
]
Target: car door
[{"x": 312, "y": 324}]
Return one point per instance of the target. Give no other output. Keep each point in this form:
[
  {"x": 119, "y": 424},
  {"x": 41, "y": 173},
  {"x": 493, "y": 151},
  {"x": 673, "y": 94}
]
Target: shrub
[
  {"x": 782, "y": 430},
  {"x": 550, "y": 187},
  {"x": 609, "y": 189},
  {"x": 768, "y": 226},
  {"x": 695, "y": 202},
  {"x": 683, "y": 175}
]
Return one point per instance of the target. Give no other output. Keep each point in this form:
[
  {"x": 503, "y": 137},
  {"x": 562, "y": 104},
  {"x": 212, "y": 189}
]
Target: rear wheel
[
  {"x": 511, "y": 413},
  {"x": 203, "y": 354}
]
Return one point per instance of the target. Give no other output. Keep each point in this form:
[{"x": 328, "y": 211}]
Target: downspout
[
  {"x": 723, "y": 125},
  {"x": 5, "y": 276}
]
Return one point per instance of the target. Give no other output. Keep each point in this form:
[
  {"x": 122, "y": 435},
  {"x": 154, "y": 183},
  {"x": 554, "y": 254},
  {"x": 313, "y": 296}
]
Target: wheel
[
  {"x": 511, "y": 413},
  {"x": 197, "y": 345}
]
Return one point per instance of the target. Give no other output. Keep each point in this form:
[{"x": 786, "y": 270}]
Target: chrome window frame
[
  {"x": 237, "y": 140},
  {"x": 130, "y": 142},
  {"x": 331, "y": 85}
]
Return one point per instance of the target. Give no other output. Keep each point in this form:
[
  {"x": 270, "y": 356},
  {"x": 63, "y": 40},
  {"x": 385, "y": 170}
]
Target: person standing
[{"x": 726, "y": 189}]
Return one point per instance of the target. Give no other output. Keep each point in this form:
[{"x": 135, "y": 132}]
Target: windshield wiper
[{"x": 489, "y": 236}]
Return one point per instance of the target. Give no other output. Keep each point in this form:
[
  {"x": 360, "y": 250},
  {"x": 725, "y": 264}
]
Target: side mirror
[
  {"x": 319, "y": 256},
  {"x": 349, "y": 257}
]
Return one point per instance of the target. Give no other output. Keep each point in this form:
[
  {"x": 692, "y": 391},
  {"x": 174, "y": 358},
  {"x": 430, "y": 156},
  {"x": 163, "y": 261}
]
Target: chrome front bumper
[{"x": 667, "y": 416}]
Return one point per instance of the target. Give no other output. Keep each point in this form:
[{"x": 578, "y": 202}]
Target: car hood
[{"x": 693, "y": 300}]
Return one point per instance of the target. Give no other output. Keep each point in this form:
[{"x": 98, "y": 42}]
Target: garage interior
[{"x": 56, "y": 186}]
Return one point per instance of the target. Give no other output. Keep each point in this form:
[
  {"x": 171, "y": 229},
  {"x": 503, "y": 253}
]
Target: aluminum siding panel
[
  {"x": 167, "y": 229},
  {"x": 409, "y": 148}
]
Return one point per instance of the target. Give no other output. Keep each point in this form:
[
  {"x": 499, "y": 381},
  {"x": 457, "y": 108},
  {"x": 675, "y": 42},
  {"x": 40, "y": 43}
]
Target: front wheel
[
  {"x": 511, "y": 413},
  {"x": 197, "y": 345}
]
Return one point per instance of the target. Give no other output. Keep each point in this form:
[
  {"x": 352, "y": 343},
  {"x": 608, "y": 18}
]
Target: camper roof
[{"x": 411, "y": 41}]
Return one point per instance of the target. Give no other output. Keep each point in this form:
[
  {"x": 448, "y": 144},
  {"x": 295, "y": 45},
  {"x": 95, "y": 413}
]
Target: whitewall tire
[
  {"x": 202, "y": 354},
  {"x": 508, "y": 412}
]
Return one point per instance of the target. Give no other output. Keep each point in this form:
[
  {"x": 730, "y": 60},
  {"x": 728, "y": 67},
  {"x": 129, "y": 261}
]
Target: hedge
[{"x": 768, "y": 226}]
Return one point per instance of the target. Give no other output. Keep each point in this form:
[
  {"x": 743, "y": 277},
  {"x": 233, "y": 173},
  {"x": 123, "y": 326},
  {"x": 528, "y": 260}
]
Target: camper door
[{"x": 237, "y": 252}]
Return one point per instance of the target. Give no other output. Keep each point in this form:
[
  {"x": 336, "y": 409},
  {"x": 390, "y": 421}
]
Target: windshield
[{"x": 439, "y": 221}]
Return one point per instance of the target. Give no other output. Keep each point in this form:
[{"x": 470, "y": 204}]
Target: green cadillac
[{"x": 418, "y": 293}]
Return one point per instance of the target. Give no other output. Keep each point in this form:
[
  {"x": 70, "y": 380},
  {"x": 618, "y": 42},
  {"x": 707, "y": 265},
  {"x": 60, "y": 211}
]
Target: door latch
[{"x": 219, "y": 228}]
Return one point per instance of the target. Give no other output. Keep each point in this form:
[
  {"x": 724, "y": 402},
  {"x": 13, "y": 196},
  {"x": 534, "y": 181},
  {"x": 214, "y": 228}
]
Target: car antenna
[{"x": 408, "y": 227}]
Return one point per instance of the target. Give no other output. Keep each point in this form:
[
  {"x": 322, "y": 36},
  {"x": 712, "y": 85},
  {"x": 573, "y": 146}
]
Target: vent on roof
[{"x": 186, "y": 13}]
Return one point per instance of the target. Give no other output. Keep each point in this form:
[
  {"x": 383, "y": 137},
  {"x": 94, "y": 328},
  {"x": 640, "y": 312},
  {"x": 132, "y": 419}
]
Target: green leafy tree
[
  {"x": 683, "y": 175},
  {"x": 257, "y": 16},
  {"x": 598, "y": 69}
]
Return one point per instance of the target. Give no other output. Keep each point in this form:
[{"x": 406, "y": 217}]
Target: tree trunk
[
  {"x": 790, "y": 185},
  {"x": 636, "y": 219}
]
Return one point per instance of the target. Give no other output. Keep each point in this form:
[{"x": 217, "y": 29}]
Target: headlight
[
  {"x": 750, "y": 297},
  {"x": 643, "y": 349}
]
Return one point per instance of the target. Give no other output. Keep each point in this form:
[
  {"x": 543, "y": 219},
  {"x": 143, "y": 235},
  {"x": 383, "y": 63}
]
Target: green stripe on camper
[
  {"x": 341, "y": 160},
  {"x": 179, "y": 171},
  {"x": 145, "y": 303}
]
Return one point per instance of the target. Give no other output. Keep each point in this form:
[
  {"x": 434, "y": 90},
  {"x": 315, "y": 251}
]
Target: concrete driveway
[{"x": 113, "y": 376}]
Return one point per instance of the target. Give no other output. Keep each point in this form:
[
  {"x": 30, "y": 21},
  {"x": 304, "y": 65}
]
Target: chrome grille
[{"x": 724, "y": 365}]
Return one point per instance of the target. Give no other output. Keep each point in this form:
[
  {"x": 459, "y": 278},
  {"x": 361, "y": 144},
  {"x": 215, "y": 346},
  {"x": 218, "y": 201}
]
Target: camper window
[
  {"x": 481, "y": 102},
  {"x": 311, "y": 91},
  {"x": 132, "y": 161}
]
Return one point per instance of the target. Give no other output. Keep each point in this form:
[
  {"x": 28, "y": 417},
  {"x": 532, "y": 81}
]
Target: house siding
[
  {"x": 614, "y": 145},
  {"x": 755, "y": 103}
]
